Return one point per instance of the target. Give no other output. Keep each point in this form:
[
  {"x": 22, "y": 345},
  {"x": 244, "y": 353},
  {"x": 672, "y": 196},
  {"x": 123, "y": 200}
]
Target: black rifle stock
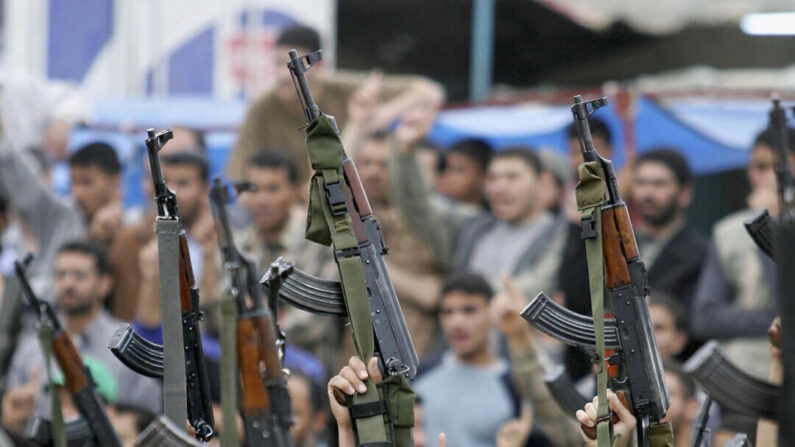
[
  {"x": 147, "y": 358},
  {"x": 265, "y": 404},
  {"x": 639, "y": 368},
  {"x": 562, "y": 389},
  {"x": 394, "y": 347},
  {"x": 77, "y": 378},
  {"x": 163, "y": 433},
  {"x": 78, "y": 434},
  {"x": 730, "y": 386}
]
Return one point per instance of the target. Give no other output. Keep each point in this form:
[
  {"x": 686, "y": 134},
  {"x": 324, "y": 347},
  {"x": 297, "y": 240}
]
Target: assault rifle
[
  {"x": 394, "y": 349},
  {"x": 563, "y": 391},
  {"x": 77, "y": 378},
  {"x": 145, "y": 357},
  {"x": 265, "y": 406},
  {"x": 635, "y": 365}
]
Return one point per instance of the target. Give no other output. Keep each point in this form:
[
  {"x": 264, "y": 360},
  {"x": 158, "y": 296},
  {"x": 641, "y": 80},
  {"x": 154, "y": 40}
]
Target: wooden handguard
[
  {"x": 70, "y": 362},
  {"x": 618, "y": 246},
  {"x": 268, "y": 351},
  {"x": 591, "y": 431},
  {"x": 186, "y": 280},
  {"x": 254, "y": 396}
]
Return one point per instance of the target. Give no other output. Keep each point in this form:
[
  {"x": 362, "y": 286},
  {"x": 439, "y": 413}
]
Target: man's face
[
  {"x": 511, "y": 188},
  {"x": 285, "y": 90},
  {"x": 463, "y": 179},
  {"x": 575, "y": 153},
  {"x": 306, "y": 422},
  {"x": 656, "y": 193},
  {"x": 670, "y": 341},
  {"x": 92, "y": 188},
  {"x": 191, "y": 190},
  {"x": 761, "y": 172},
  {"x": 372, "y": 165},
  {"x": 269, "y": 205},
  {"x": 78, "y": 285},
  {"x": 465, "y": 322}
]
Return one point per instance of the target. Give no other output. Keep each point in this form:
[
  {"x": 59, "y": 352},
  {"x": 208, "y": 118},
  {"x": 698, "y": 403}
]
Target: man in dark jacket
[{"x": 672, "y": 252}]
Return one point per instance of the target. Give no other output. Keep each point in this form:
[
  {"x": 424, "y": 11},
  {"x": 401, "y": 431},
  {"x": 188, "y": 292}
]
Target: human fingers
[
  {"x": 374, "y": 370},
  {"x": 340, "y": 383},
  {"x": 351, "y": 376}
]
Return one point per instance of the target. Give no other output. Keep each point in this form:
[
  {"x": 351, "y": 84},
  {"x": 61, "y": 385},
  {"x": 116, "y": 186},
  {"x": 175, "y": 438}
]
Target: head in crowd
[
  {"x": 661, "y": 187},
  {"x": 466, "y": 163},
  {"x": 602, "y": 140},
  {"x": 512, "y": 184},
  {"x": 304, "y": 40},
  {"x": 553, "y": 180},
  {"x": 95, "y": 171},
  {"x": 275, "y": 178},
  {"x": 761, "y": 168},
  {"x": 185, "y": 139},
  {"x": 432, "y": 162},
  {"x": 372, "y": 163},
  {"x": 684, "y": 406},
  {"x": 186, "y": 174},
  {"x": 669, "y": 319},
  {"x": 464, "y": 316},
  {"x": 82, "y": 279},
  {"x": 309, "y": 409}
]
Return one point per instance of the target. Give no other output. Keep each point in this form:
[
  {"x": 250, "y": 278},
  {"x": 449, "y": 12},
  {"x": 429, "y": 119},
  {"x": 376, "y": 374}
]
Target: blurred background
[{"x": 695, "y": 75}]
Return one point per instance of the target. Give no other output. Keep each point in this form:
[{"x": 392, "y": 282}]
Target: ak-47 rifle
[
  {"x": 395, "y": 349},
  {"x": 265, "y": 404},
  {"x": 77, "y": 378},
  {"x": 635, "y": 362},
  {"x": 145, "y": 357}
]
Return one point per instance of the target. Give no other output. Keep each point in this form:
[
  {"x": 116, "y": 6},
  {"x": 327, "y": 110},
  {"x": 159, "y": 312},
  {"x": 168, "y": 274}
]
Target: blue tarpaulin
[{"x": 714, "y": 134}]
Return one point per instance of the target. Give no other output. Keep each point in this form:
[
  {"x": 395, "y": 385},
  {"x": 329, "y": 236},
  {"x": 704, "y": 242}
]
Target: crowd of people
[{"x": 473, "y": 234}]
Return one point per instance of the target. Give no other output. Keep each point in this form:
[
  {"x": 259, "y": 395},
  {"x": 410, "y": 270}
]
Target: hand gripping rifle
[
  {"x": 340, "y": 215},
  {"x": 265, "y": 405},
  {"x": 77, "y": 378},
  {"x": 636, "y": 367},
  {"x": 145, "y": 357}
]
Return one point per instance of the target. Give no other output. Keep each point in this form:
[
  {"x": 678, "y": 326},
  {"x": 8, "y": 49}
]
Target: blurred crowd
[{"x": 473, "y": 234}]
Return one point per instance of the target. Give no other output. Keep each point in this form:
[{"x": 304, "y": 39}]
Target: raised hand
[
  {"x": 19, "y": 403},
  {"x": 621, "y": 429}
]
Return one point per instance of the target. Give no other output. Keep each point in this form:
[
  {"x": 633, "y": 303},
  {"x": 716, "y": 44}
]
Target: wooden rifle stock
[
  {"x": 591, "y": 431},
  {"x": 70, "y": 362},
  {"x": 254, "y": 395}
]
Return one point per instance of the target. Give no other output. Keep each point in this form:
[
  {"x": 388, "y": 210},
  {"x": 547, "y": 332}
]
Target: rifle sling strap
[
  {"x": 57, "y": 423},
  {"x": 329, "y": 223},
  {"x": 590, "y": 196},
  {"x": 229, "y": 369}
]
